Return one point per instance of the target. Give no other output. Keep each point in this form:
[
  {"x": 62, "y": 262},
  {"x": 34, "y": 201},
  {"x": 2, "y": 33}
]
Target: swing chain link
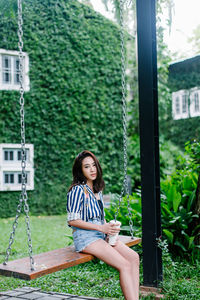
[
  {"x": 12, "y": 235},
  {"x": 125, "y": 189},
  {"x": 23, "y": 196}
]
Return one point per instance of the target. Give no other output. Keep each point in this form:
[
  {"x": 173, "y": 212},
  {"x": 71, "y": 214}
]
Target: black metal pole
[{"x": 149, "y": 141}]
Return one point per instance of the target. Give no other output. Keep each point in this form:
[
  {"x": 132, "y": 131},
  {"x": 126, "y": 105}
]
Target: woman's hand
[{"x": 111, "y": 229}]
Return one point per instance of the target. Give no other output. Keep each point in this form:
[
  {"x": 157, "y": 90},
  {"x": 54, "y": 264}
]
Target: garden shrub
[
  {"x": 183, "y": 130},
  {"x": 179, "y": 206},
  {"x": 177, "y": 212},
  {"x": 179, "y": 200},
  {"x": 183, "y": 75},
  {"x": 168, "y": 158}
]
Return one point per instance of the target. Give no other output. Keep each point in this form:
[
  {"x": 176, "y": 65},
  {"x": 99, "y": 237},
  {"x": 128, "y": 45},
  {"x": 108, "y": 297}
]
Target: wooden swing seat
[{"x": 52, "y": 261}]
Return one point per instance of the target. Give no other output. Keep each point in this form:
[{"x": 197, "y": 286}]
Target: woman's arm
[
  {"x": 106, "y": 228},
  {"x": 74, "y": 203}
]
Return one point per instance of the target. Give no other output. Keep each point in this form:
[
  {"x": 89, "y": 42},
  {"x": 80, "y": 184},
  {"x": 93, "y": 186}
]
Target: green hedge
[
  {"x": 74, "y": 102},
  {"x": 184, "y": 75},
  {"x": 184, "y": 130}
]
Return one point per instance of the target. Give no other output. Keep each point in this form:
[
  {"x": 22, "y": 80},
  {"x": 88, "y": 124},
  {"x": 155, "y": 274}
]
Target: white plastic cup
[{"x": 113, "y": 238}]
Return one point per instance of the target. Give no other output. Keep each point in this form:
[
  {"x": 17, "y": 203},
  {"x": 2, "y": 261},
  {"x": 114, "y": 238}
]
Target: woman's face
[{"x": 89, "y": 168}]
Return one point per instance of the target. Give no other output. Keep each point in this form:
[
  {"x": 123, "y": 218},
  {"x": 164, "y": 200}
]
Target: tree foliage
[{"x": 195, "y": 40}]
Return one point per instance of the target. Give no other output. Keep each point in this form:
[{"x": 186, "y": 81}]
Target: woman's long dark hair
[{"x": 79, "y": 178}]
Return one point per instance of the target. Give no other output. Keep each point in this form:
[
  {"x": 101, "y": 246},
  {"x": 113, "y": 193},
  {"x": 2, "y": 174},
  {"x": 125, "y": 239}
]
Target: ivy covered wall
[
  {"x": 74, "y": 102},
  {"x": 184, "y": 75}
]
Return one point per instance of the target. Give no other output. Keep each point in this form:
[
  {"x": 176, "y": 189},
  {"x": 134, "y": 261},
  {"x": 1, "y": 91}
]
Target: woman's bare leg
[
  {"x": 134, "y": 260},
  {"x": 112, "y": 257}
]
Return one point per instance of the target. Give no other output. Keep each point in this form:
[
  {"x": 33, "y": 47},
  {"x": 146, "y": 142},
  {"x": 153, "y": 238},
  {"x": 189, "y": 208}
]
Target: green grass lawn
[{"x": 181, "y": 279}]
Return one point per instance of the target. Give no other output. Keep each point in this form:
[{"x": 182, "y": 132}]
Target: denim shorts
[{"x": 83, "y": 238}]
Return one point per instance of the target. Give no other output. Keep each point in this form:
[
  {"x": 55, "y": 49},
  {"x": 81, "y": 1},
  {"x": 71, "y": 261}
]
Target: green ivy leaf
[
  {"x": 177, "y": 243},
  {"x": 176, "y": 200},
  {"x": 169, "y": 235}
]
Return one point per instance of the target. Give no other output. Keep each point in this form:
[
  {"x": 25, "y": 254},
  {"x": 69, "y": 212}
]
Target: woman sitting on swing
[{"x": 86, "y": 217}]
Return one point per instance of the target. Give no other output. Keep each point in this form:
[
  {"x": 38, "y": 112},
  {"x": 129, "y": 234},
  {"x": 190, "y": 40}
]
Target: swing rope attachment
[
  {"x": 125, "y": 189},
  {"x": 23, "y": 199}
]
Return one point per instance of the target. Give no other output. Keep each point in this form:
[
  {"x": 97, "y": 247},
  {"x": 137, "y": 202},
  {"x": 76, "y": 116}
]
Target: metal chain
[
  {"x": 129, "y": 2},
  {"x": 24, "y": 196},
  {"x": 12, "y": 235},
  {"x": 124, "y": 190}
]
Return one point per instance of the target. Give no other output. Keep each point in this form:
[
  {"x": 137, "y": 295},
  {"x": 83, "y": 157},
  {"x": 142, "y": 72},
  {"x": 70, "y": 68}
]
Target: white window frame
[
  {"x": 16, "y": 175},
  {"x": 193, "y": 111},
  {"x": 182, "y": 114},
  {"x": 15, "y": 155},
  {"x": 13, "y": 85},
  {"x": 14, "y": 167},
  {"x": 9, "y": 174}
]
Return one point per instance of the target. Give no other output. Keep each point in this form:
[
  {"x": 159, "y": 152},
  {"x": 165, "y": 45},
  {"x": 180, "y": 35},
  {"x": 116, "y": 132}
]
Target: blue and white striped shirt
[{"x": 83, "y": 205}]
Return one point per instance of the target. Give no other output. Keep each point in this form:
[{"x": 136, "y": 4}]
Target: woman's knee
[
  {"x": 125, "y": 266},
  {"x": 135, "y": 260}
]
